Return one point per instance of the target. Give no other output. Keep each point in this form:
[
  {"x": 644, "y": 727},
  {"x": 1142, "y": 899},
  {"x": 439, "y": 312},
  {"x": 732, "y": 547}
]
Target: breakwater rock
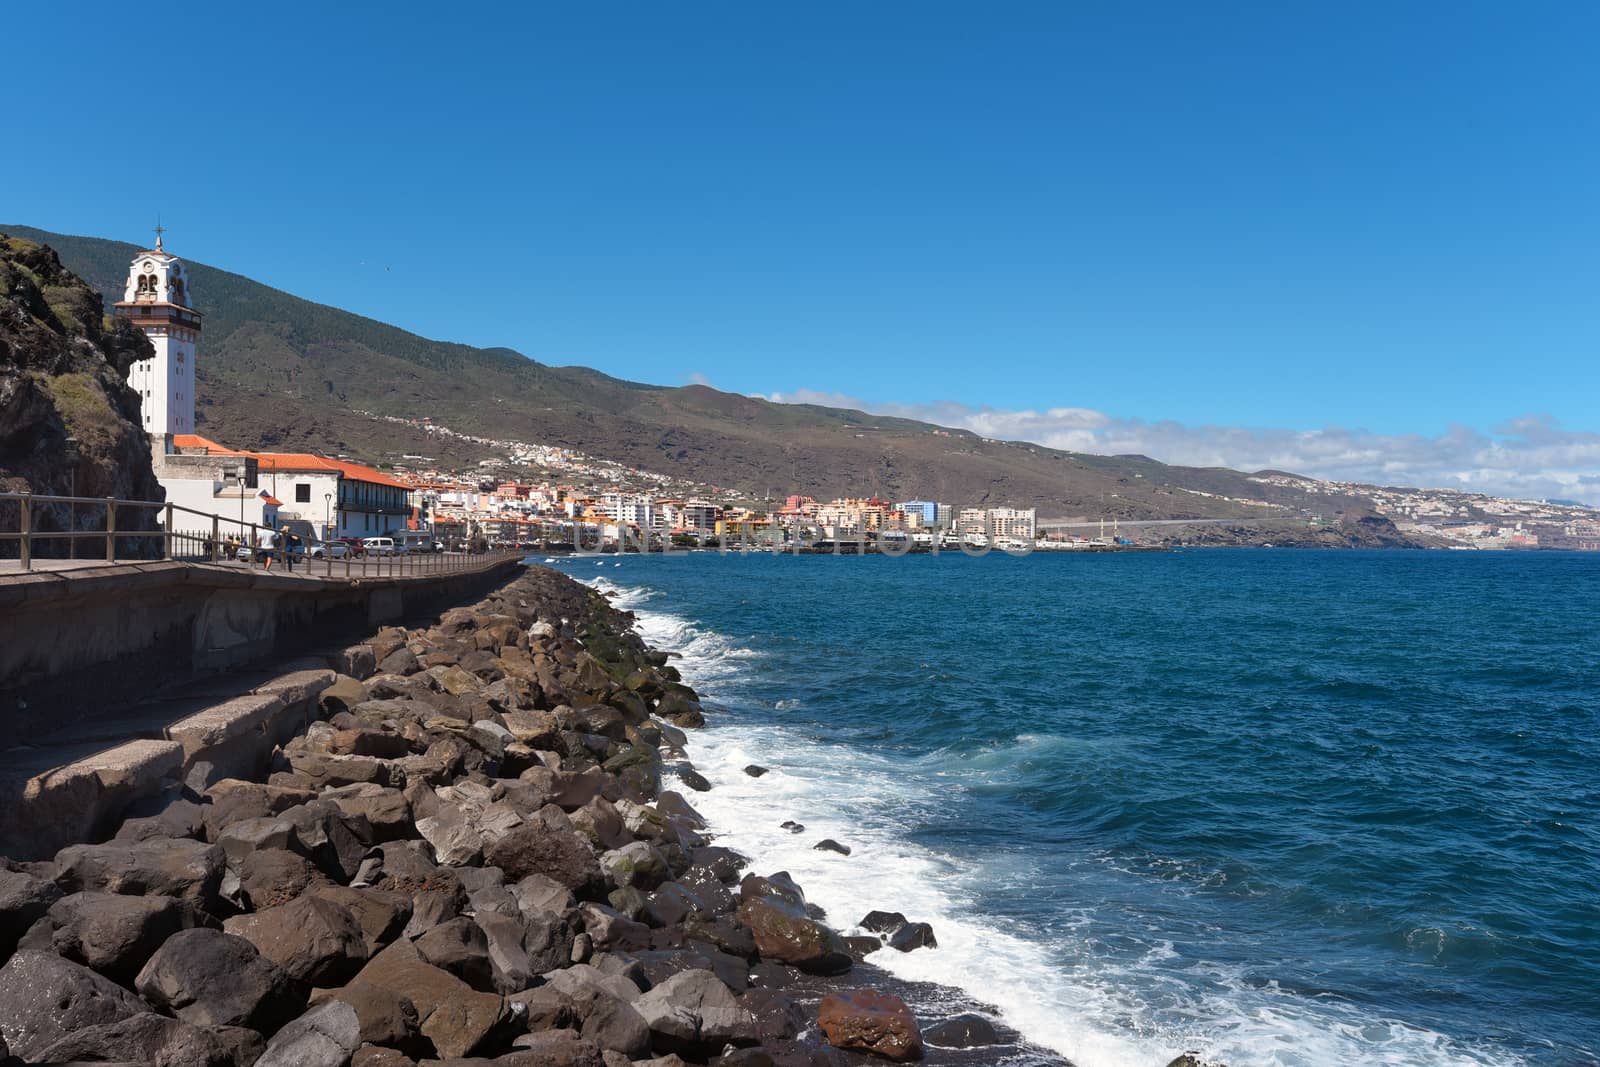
[{"x": 473, "y": 855}]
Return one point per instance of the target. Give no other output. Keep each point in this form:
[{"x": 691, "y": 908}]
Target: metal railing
[{"x": 47, "y": 527}]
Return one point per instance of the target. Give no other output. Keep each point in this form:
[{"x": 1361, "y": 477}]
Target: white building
[
  {"x": 637, "y": 510},
  {"x": 1017, "y": 523},
  {"x": 156, "y": 299}
]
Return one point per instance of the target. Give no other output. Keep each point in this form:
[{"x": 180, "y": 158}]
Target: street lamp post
[{"x": 327, "y": 516}]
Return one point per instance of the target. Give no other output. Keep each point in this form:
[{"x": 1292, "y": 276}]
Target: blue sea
[{"x": 1280, "y": 807}]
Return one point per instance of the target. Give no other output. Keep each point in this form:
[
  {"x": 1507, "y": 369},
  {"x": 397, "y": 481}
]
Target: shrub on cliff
[{"x": 63, "y": 371}]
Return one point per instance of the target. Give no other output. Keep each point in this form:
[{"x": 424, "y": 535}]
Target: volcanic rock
[
  {"x": 865, "y": 1020},
  {"x": 210, "y": 978},
  {"x": 315, "y": 940},
  {"x": 564, "y": 857},
  {"x": 695, "y": 1014},
  {"x": 962, "y": 1031},
  {"x": 912, "y": 936},
  {"x": 24, "y": 898},
  {"x": 150, "y": 1039},
  {"x": 44, "y": 998},
  {"x": 775, "y": 911},
  {"x": 177, "y": 867},
  {"x": 114, "y": 934},
  {"x": 455, "y": 1017},
  {"x": 325, "y": 1036}
]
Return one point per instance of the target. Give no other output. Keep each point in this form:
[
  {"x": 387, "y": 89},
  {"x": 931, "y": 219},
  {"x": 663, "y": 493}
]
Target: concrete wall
[{"x": 75, "y": 643}]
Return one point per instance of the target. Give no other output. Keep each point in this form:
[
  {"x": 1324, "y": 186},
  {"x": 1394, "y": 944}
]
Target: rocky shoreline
[{"x": 475, "y": 856}]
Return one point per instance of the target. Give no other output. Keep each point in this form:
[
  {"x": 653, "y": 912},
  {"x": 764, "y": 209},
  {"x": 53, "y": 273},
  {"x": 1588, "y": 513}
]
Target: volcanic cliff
[{"x": 63, "y": 370}]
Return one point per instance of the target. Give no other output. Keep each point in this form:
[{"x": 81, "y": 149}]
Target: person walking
[
  {"x": 291, "y": 544},
  {"x": 268, "y": 547}
]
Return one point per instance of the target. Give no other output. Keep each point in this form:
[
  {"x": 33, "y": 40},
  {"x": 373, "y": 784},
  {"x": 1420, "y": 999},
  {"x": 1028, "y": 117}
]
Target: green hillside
[{"x": 279, "y": 371}]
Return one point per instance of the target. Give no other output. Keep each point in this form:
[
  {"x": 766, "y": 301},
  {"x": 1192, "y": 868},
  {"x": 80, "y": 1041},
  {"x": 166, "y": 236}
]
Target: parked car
[
  {"x": 330, "y": 550},
  {"x": 356, "y": 545},
  {"x": 382, "y": 546},
  {"x": 415, "y": 542}
]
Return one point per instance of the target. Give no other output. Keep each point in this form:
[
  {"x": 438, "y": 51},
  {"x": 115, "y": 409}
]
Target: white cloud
[{"x": 1528, "y": 456}]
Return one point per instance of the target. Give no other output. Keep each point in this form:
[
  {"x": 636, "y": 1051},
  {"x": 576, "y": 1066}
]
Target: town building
[
  {"x": 1015, "y": 523},
  {"x": 923, "y": 514},
  {"x": 339, "y": 499}
]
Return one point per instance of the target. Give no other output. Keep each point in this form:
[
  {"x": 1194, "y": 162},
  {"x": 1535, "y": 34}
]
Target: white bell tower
[{"x": 157, "y": 301}]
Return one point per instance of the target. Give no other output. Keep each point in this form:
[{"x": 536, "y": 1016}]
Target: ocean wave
[{"x": 1050, "y": 971}]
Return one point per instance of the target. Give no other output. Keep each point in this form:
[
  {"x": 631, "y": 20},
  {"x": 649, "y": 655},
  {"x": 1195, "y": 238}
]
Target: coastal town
[
  {"x": 546, "y": 497},
  {"x": 583, "y": 503}
]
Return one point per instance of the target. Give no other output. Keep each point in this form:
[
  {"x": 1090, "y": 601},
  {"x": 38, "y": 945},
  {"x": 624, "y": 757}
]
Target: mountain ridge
[{"x": 276, "y": 370}]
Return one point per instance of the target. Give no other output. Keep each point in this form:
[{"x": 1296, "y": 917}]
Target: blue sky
[{"x": 1374, "y": 223}]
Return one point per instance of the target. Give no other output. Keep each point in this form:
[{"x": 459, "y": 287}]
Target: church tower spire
[{"x": 156, "y": 299}]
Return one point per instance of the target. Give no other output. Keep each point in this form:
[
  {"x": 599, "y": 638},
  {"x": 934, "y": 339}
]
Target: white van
[{"x": 380, "y": 546}]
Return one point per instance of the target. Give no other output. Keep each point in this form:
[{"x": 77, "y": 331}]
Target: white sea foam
[{"x": 1059, "y": 993}]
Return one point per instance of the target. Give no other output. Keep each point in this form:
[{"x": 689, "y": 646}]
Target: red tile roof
[{"x": 292, "y": 461}]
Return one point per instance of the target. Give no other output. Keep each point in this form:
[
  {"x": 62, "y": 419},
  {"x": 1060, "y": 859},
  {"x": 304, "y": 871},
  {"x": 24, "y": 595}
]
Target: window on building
[{"x": 302, "y": 492}]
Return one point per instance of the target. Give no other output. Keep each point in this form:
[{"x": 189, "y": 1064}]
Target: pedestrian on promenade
[
  {"x": 291, "y": 544},
  {"x": 268, "y": 547}
]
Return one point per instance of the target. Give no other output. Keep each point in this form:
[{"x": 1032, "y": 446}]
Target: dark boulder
[
  {"x": 385, "y": 1016},
  {"x": 460, "y": 947},
  {"x": 775, "y": 911},
  {"x": 552, "y": 1048},
  {"x": 381, "y": 915},
  {"x": 564, "y": 857},
  {"x": 638, "y": 864},
  {"x": 326, "y": 1036},
  {"x": 210, "y": 978},
  {"x": 273, "y": 876},
  {"x": 862, "y": 947},
  {"x": 696, "y": 1014},
  {"x": 44, "y": 998},
  {"x": 724, "y": 864},
  {"x": 694, "y": 780},
  {"x": 777, "y": 1016},
  {"x": 176, "y": 867},
  {"x": 147, "y": 1038},
  {"x": 233, "y": 799},
  {"x": 913, "y": 936},
  {"x": 115, "y": 934},
  {"x": 452, "y": 1015},
  {"x": 828, "y": 844},
  {"x": 883, "y": 922},
  {"x": 316, "y": 940},
  {"x": 175, "y": 818},
  {"x": 24, "y": 898},
  {"x": 755, "y": 770},
  {"x": 336, "y": 840},
  {"x": 962, "y": 1031}
]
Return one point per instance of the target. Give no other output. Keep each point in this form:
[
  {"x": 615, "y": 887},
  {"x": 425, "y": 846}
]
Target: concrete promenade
[
  {"x": 76, "y": 634},
  {"x": 116, "y": 676}
]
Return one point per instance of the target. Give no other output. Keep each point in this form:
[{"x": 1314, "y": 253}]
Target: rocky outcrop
[
  {"x": 63, "y": 372},
  {"x": 416, "y": 882}
]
